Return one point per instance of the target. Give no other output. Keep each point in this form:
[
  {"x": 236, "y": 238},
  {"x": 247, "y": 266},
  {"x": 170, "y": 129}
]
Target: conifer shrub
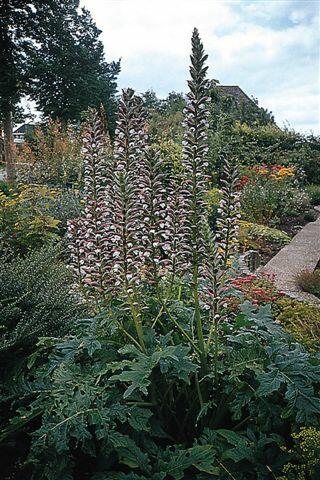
[{"x": 35, "y": 298}]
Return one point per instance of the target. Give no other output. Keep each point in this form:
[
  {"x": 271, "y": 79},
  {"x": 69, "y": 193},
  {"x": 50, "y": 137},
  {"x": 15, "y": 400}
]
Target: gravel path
[{"x": 302, "y": 253}]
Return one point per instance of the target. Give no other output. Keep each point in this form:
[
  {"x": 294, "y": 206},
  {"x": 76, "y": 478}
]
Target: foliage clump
[
  {"x": 261, "y": 237},
  {"x": 26, "y": 222},
  {"x": 306, "y": 456},
  {"x": 257, "y": 289},
  {"x": 301, "y": 320},
  {"x": 309, "y": 281},
  {"x": 117, "y": 412},
  {"x": 314, "y": 194},
  {"x": 52, "y": 156},
  {"x": 35, "y": 298},
  {"x": 270, "y": 202}
]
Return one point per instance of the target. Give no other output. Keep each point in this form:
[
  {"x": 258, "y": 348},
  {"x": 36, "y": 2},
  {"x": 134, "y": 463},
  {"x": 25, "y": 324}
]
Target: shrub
[
  {"x": 307, "y": 157},
  {"x": 301, "y": 320},
  {"x": 314, "y": 194},
  {"x": 35, "y": 298},
  {"x": 310, "y": 216},
  {"x": 4, "y": 187},
  {"x": 261, "y": 237},
  {"x": 309, "y": 281},
  {"x": 279, "y": 173},
  {"x": 270, "y": 145},
  {"x": 213, "y": 201},
  {"x": 66, "y": 205},
  {"x": 270, "y": 202},
  {"x": 25, "y": 223},
  {"x": 171, "y": 153},
  {"x": 52, "y": 157}
]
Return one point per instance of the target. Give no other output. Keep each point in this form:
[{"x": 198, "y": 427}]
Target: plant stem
[
  {"x": 197, "y": 316},
  {"x": 198, "y": 390},
  {"x": 137, "y": 323},
  {"x": 184, "y": 333}
]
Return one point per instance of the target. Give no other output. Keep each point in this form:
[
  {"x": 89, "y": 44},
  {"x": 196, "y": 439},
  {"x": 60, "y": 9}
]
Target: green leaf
[
  {"x": 129, "y": 453},
  {"x": 232, "y": 437},
  {"x": 139, "y": 418},
  {"x": 200, "y": 457},
  {"x": 238, "y": 454},
  {"x": 92, "y": 345},
  {"x": 269, "y": 382}
]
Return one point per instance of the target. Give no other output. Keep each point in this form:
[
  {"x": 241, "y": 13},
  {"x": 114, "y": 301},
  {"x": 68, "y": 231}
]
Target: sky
[{"x": 271, "y": 49}]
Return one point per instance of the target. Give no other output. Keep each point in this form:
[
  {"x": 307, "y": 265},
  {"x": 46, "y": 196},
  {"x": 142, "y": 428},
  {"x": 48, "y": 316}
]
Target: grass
[{"x": 309, "y": 281}]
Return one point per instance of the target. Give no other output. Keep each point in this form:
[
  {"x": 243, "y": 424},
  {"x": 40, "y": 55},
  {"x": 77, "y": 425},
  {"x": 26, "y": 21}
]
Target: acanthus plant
[
  {"x": 88, "y": 246},
  {"x": 229, "y": 210},
  {"x": 195, "y": 164},
  {"x": 150, "y": 230}
]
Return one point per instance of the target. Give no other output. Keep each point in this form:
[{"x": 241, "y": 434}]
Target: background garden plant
[{"x": 52, "y": 156}]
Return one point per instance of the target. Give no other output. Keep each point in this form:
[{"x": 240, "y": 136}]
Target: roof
[
  {"x": 234, "y": 91},
  {"x": 26, "y": 127}
]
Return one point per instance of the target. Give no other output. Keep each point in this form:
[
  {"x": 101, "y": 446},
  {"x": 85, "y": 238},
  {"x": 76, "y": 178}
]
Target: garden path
[{"x": 302, "y": 253}]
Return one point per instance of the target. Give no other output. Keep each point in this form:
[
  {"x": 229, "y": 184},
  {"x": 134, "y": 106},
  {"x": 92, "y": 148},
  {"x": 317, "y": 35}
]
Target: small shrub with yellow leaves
[
  {"x": 261, "y": 237},
  {"x": 301, "y": 320}
]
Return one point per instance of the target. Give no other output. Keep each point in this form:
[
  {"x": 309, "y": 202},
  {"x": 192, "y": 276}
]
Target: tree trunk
[{"x": 9, "y": 153}]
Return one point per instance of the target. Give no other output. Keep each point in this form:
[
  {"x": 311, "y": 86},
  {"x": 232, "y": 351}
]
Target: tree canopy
[
  {"x": 52, "y": 52},
  {"x": 68, "y": 69}
]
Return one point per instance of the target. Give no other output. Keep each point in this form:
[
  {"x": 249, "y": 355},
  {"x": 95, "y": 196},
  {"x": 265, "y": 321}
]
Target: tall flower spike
[
  {"x": 195, "y": 163},
  {"x": 177, "y": 244},
  {"x": 91, "y": 227},
  {"x": 215, "y": 279},
  {"x": 75, "y": 236},
  {"x": 154, "y": 222},
  {"x": 227, "y": 229},
  {"x": 128, "y": 151},
  {"x": 128, "y": 145},
  {"x": 195, "y": 150}
]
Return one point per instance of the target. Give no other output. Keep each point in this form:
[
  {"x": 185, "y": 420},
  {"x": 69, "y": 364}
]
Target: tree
[
  {"x": 69, "y": 72},
  {"x": 51, "y": 51},
  {"x": 16, "y": 21}
]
